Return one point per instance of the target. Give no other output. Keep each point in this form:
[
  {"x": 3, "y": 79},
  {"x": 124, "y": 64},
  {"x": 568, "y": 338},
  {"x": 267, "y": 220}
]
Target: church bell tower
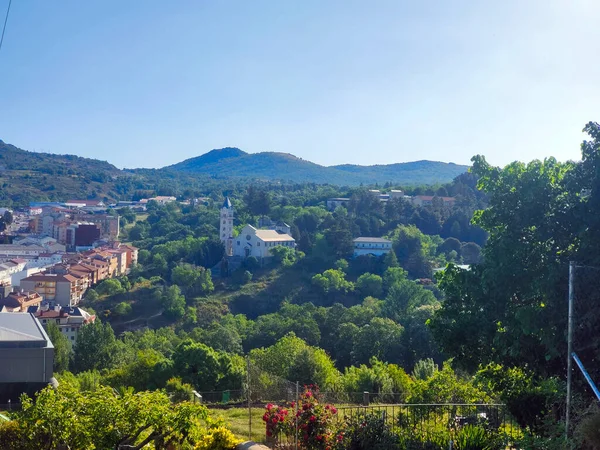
[{"x": 226, "y": 226}]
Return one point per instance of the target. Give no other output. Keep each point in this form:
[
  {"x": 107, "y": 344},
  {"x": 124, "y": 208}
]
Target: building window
[
  {"x": 258, "y": 244},
  {"x": 72, "y": 330},
  {"x": 72, "y": 338},
  {"x": 238, "y": 242}
]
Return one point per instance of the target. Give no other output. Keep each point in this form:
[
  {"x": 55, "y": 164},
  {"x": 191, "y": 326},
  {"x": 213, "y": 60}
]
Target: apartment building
[
  {"x": 65, "y": 290},
  {"x": 20, "y": 301}
]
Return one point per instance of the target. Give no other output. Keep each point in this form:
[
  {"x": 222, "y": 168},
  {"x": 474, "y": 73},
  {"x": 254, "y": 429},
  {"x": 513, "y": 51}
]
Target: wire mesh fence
[{"x": 416, "y": 424}]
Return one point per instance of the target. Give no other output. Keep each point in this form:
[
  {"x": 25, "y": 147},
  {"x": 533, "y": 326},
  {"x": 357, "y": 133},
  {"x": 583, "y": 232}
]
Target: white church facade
[{"x": 251, "y": 241}]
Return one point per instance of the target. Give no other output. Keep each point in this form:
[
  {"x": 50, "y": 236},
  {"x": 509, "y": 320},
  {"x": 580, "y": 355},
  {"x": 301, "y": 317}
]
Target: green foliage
[
  {"x": 112, "y": 286},
  {"x": 471, "y": 437},
  {"x": 285, "y": 256},
  {"x": 173, "y": 303},
  {"x": 122, "y": 309},
  {"x": 332, "y": 281},
  {"x": 291, "y": 356},
  {"x": 95, "y": 347},
  {"x": 62, "y": 347},
  {"x": 424, "y": 369},
  {"x": 179, "y": 391},
  {"x": 204, "y": 368},
  {"x": 369, "y": 284},
  {"x": 101, "y": 419},
  {"x": 368, "y": 431},
  {"x": 528, "y": 398}
]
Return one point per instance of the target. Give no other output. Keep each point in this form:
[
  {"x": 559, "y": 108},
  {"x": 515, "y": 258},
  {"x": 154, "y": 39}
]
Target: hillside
[
  {"x": 30, "y": 176},
  {"x": 236, "y": 163}
]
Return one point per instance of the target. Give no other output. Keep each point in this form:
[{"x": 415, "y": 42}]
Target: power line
[{"x": 5, "y": 21}]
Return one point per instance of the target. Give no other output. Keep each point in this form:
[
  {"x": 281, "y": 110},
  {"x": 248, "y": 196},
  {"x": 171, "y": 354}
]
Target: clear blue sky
[{"x": 145, "y": 83}]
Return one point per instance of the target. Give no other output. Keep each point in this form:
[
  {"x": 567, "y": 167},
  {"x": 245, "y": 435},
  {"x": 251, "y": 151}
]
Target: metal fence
[{"x": 425, "y": 426}]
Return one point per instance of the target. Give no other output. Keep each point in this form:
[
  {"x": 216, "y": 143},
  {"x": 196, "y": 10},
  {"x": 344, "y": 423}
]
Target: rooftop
[
  {"x": 272, "y": 235},
  {"x": 22, "y": 329},
  {"x": 374, "y": 240}
]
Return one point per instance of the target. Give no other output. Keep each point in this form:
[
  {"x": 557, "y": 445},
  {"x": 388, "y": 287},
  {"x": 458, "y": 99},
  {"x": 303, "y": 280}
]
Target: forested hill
[
  {"x": 29, "y": 176},
  {"x": 234, "y": 162}
]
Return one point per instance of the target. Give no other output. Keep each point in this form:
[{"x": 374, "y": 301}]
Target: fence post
[
  {"x": 451, "y": 445},
  {"x": 365, "y": 398},
  {"x": 249, "y": 398}
]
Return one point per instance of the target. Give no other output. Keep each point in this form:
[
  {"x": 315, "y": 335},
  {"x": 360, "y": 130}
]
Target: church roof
[
  {"x": 272, "y": 235},
  {"x": 227, "y": 203}
]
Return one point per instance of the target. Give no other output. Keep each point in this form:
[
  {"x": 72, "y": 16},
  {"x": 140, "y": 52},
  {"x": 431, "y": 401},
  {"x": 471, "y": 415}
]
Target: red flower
[
  {"x": 270, "y": 406},
  {"x": 312, "y": 418}
]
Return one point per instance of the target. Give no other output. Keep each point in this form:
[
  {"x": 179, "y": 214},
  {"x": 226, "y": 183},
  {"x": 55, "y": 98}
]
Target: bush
[
  {"x": 367, "y": 432},
  {"x": 471, "y": 437},
  {"x": 179, "y": 391},
  {"x": 218, "y": 438}
]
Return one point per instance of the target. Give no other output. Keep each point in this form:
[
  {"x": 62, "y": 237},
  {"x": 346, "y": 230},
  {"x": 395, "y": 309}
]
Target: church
[{"x": 251, "y": 241}]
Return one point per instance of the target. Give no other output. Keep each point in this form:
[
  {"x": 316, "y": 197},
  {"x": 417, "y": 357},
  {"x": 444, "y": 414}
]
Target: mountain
[
  {"x": 233, "y": 162},
  {"x": 30, "y": 176}
]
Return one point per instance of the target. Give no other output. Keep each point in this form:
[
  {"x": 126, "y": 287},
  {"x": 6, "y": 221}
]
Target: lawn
[{"x": 237, "y": 421}]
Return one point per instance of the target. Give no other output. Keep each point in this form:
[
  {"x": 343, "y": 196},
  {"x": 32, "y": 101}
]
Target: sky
[{"x": 148, "y": 83}]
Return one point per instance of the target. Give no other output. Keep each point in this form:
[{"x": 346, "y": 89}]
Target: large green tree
[{"x": 512, "y": 308}]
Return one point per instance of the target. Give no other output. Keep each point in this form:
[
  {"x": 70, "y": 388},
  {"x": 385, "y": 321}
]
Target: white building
[
  {"x": 258, "y": 243},
  {"x": 226, "y": 226},
  {"x": 9, "y": 268},
  {"x": 49, "y": 243},
  {"x": 371, "y": 246},
  {"x": 10, "y": 251},
  {"x": 68, "y": 319}
]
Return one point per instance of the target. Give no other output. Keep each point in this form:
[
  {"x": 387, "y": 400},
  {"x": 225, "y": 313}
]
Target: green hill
[
  {"x": 28, "y": 176},
  {"x": 233, "y": 162}
]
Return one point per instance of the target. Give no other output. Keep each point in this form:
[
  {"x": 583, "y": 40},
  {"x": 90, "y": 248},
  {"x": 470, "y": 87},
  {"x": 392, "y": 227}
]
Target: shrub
[
  {"x": 276, "y": 421},
  {"x": 217, "y": 438},
  {"x": 471, "y": 437},
  {"x": 315, "y": 421},
  {"x": 367, "y": 432}
]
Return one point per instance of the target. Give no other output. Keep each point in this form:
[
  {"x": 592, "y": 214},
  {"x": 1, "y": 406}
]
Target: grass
[{"x": 237, "y": 421}]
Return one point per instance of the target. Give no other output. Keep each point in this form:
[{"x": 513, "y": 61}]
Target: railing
[{"x": 422, "y": 425}]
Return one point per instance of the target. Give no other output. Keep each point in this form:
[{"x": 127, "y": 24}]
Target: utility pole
[{"x": 570, "y": 344}]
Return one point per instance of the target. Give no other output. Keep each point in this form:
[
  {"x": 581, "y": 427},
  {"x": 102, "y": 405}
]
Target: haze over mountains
[{"x": 27, "y": 176}]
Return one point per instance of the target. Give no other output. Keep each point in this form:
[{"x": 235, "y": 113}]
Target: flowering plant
[
  {"x": 315, "y": 421},
  {"x": 275, "y": 418}
]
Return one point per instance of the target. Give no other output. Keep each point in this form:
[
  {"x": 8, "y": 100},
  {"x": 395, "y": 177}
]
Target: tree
[
  {"x": 109, "y": 287},
  {"x": 203, "y": 367},
  {"x": 62, "y": 347},
  {"x": 122, "y": 309},
  {"x": 390, "y": 260},
  {"x": 470, "y": 252},
  {"x": 509, "y": 309},
  {"x": 103, "y": 419},
  {"x": 285, "y": 256},
  {"x": 95, "y": 347},
  {"x": 339, "y": 238},
  {"x": 369, "y": 284},
  {"x": 380, "y": 338},
  {"x": 173, "y": 303},
  {"x": 404, "y": 296},
  {"x": 332, "y": 281},
  {"x": 449, "y": 245}
]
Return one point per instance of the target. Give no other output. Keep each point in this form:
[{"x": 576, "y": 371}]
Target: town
[{"x": 54, "y": 254}]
